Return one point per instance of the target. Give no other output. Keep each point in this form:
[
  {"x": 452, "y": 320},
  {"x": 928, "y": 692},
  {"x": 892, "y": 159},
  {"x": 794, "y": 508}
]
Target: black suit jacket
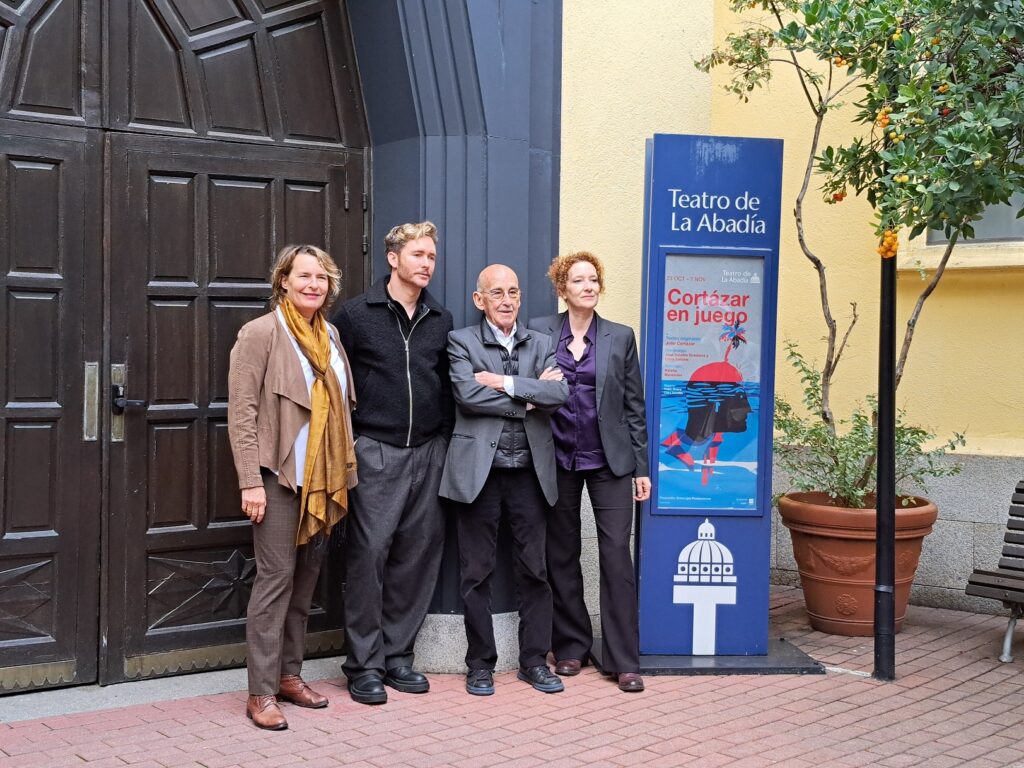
[{"x": 621, "y": 414}]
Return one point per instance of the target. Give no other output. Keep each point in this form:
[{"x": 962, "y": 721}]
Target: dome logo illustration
[{"x": 705, "y": 578}]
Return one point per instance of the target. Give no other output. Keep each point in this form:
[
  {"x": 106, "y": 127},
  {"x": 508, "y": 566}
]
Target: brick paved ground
[{"x": 953, "y": 704}]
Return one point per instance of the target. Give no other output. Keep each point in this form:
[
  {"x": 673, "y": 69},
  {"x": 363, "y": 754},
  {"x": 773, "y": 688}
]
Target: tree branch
[
  {"x": 796, "y": 64},
  {"x": 869, "y": 464},
  {"x": 832, "y": 95},
  {"x": 846, "y": 336},
  {"x": 791, "y": 63},
  {"x": 908, "y": 335},
  {"x": 798, "y": 215}
]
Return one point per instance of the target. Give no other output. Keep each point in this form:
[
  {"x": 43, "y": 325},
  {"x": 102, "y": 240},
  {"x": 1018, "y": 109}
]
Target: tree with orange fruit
[{"x": 940, "y": 90}]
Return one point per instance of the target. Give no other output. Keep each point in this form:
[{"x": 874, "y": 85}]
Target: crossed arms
[{"x": 482, "y": 392}]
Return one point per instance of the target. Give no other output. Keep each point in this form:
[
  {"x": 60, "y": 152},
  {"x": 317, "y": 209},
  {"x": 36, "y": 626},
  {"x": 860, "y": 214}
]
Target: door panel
[
  {"x": 49, "y": 61},
  {"x": 194, "y": 226},
  {"x": 281, "y": 72},
  {"x": 49, "y": 472}
]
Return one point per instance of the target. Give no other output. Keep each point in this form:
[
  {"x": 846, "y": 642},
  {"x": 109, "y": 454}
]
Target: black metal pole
[{"x": 885, "y": 492}]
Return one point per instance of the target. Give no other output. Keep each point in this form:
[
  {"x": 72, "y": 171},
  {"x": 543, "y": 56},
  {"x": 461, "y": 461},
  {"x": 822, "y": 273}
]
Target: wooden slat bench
[{"x": 1006, "y": 582}]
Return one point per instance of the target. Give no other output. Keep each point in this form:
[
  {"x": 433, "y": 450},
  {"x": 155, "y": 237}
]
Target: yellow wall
[{"x": 628, "y": 74}]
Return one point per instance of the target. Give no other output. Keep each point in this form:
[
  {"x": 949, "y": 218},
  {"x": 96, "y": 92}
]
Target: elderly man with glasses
[{"x": 501, "y": 462}]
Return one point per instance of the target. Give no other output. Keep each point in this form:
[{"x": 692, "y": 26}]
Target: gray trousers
[
  {"x": 275, "y": 631},
  {"x": 393, "y": 548}
]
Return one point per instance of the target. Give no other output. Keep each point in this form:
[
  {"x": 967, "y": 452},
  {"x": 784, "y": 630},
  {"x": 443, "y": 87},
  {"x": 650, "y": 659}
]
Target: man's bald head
[
  {"x": 494, "y": 272},
  {"x": 497, "y": 295}
]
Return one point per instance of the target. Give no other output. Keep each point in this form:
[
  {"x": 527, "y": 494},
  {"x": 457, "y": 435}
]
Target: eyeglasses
[{"x": 497, "y": 294}]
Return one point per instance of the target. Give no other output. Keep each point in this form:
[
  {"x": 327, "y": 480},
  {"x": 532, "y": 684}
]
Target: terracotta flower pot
[{"x": 835, "y": 553}]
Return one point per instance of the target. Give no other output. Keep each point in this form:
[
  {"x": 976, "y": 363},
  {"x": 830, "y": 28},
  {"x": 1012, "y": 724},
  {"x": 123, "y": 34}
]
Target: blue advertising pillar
[{"x": 711, "y": 237}]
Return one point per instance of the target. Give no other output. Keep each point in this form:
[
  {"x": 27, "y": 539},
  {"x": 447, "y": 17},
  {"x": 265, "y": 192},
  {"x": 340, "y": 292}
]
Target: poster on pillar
[{"x": 711, "y": 242}]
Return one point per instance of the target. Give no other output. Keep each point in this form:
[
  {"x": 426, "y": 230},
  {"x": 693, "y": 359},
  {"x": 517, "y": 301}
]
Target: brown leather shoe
[
  {"x": 630, "y": 682},
  {"x": 568, "y": 667},
  {"x": 264, "y": 713},
  {"x": 294, "y": 689}
]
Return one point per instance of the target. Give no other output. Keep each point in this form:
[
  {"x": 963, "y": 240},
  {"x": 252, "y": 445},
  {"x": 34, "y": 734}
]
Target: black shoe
[
  {"x": 541, "y": 678},
  {"x": 480, "y": 682},
  {"x": 368, "y": 690},
  {"x": 406, "y": 680}
]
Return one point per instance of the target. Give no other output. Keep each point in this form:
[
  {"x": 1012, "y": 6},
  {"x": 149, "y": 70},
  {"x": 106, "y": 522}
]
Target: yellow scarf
[{"x": 329, "y": 454}]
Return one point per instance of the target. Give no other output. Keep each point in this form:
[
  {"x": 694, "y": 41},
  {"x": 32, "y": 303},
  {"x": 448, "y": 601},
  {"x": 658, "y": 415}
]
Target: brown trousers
[{"x": 286, "y": 577}]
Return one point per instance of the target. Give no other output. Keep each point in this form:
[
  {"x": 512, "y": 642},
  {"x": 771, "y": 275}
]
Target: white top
[{"x": 307, "y": 371}]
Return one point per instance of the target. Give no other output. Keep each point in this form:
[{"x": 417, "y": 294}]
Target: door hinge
[
  {"x": 366, "y": 244},
  {"x": 366, "y": 201},
  {"x": 346, "y": 203}
]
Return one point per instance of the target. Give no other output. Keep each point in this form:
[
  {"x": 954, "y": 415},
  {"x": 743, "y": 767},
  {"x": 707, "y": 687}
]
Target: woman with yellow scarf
[{"x": 290, "y": 395}]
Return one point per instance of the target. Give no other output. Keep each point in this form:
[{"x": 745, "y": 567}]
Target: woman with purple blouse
[{"x": 600, "y": 442}]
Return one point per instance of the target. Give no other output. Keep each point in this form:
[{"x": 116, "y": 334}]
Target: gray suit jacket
[
  {"x": 480, "y": 411},
  {"x": 621, "y": 415}
]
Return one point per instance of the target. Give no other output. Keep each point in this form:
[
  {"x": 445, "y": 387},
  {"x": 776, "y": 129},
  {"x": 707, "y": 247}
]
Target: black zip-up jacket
[{"x": 400, "y": 366}]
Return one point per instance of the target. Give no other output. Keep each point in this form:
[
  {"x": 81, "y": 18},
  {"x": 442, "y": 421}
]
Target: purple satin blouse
[{"x": 577, "y": 439}]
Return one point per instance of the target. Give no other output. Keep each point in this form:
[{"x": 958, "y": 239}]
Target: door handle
[
  {"x": 91, "y": 402},
  {"x": 118, "y": 402}
]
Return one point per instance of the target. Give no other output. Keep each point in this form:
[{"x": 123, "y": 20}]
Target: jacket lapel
[
  {"x": 525, "y": 351},
  {"x": 289, "y": 381},
  {"x": 491, "y": 348},
  {"x": 604, "y": 343}
]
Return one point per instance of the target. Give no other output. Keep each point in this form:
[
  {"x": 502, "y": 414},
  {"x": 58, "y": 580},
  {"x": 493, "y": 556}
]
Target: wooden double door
[{"x": 144, "y": 190}]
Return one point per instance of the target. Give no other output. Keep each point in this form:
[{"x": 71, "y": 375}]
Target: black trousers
[
  {"x": 517, "y": 494},
  {"x": 572, "y": 635},
  {"x": 393, "y": 549}
]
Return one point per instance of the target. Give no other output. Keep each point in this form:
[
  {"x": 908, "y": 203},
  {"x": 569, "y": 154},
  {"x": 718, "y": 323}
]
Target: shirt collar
[
  {"x": 378, "y": 294},
  {"x": 502, "y": 338},
  {"x": 567, "y": 330},
  {"x": 392, "y": 300}
]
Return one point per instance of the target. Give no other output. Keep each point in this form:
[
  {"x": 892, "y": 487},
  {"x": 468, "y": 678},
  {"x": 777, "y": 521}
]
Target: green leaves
[
  {"x": 938, "y": 137},
  {"x": 955, "y": 118},
  {"x": 950, "y": 71},
  {"x": 841, "y": 462},
  {"x": 747, "y": 55}
]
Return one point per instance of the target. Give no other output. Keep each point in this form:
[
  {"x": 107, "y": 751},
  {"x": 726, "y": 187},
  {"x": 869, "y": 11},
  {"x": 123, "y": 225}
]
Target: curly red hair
[{"x": 558, "y": 272}]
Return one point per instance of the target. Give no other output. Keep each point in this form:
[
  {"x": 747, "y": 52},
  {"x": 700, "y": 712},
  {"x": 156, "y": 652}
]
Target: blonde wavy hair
[
  {"x": 404, "y": 233},
  {"x": 283, "y": 266}
]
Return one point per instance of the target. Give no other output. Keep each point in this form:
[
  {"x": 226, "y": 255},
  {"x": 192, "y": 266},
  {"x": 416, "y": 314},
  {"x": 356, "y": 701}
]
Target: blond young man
[{"x": 395, "y": 335}]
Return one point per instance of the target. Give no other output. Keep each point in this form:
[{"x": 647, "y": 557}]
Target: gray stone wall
[{"x": 968, "y": 534}]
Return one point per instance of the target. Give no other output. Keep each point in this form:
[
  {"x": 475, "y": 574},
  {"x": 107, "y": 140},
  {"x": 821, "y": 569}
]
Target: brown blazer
[{"x": 268, "y": 401}]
